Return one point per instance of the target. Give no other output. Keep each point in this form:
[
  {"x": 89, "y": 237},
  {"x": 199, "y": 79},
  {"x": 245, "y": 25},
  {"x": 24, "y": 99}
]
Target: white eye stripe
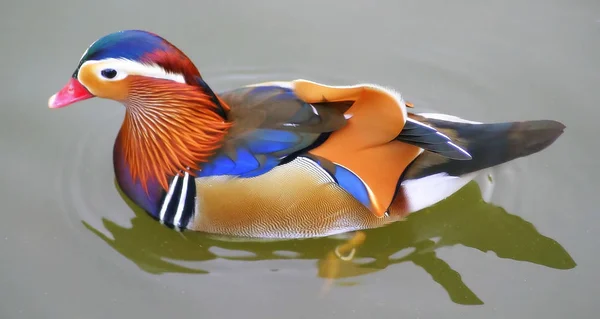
[{"x": 125, "y": 67}]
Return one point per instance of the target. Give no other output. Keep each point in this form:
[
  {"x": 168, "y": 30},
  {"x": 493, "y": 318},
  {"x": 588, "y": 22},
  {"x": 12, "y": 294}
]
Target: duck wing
[
  {"x": 432, "y": 140},
  {"x": 489, "y": 144},
  {"x": 270, "y": 124}
]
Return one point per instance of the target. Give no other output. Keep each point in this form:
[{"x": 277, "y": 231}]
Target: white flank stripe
[
  {"x": 167, "y": 200},
  {"x": 177, "y": 218}
]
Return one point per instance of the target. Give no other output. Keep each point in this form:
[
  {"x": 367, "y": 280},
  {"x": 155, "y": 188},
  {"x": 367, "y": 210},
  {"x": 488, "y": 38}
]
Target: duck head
[
  {"x": 173, "y": 120},
  {"x": 114, "y": 64}
]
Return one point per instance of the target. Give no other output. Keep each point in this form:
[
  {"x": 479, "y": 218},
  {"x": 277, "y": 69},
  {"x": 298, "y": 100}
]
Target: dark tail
[{"x": 488, "y": 144}]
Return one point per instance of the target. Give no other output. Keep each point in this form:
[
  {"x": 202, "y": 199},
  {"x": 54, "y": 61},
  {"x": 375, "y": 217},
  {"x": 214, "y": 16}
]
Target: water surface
[{"x": 520, "y": 246}]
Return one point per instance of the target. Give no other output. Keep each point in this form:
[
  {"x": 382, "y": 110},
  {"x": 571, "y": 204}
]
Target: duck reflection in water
[{"x": 464, "y": 219}]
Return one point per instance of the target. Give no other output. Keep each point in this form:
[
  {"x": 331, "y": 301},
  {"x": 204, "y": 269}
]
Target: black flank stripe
[
  {"x": 189, "y": 205},
  {"x": 172, "y": 207}
]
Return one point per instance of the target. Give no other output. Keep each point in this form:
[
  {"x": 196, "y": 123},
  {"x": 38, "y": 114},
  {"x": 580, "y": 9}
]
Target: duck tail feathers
[{"x": 488, "y": 144}]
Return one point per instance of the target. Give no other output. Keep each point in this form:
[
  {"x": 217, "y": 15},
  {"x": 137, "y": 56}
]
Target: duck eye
[{"x": 109, "y": 73}]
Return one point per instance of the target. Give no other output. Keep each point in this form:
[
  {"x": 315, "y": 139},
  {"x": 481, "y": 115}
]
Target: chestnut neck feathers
[
  {"x": 173, "y": 121},
  {"x": 169, "y": 127}
]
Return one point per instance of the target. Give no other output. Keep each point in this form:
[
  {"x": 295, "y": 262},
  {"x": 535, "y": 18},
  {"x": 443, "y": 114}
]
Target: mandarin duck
[{"x": 280, "y": 160}]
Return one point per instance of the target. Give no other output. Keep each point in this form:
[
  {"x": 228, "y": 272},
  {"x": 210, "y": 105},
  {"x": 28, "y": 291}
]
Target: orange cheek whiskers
[{"x": 168, "y": 128}]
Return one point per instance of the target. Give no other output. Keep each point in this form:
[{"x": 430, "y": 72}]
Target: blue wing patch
[
  {"x": 352, "y": 184},
  {"x": 284, "y": 125},
  {"x": 345, "y": 178},
  {"x": 265, "y": 141},
  {"x": 220, "y": 165},
  {"x": 256, "y": 153}
]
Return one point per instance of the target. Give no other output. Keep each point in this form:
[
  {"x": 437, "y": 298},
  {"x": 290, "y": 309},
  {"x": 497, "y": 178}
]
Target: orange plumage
[{"x": 168, "y": 127}]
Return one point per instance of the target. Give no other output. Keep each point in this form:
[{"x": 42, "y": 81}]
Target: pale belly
[{"x": 296, "y": 200}]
